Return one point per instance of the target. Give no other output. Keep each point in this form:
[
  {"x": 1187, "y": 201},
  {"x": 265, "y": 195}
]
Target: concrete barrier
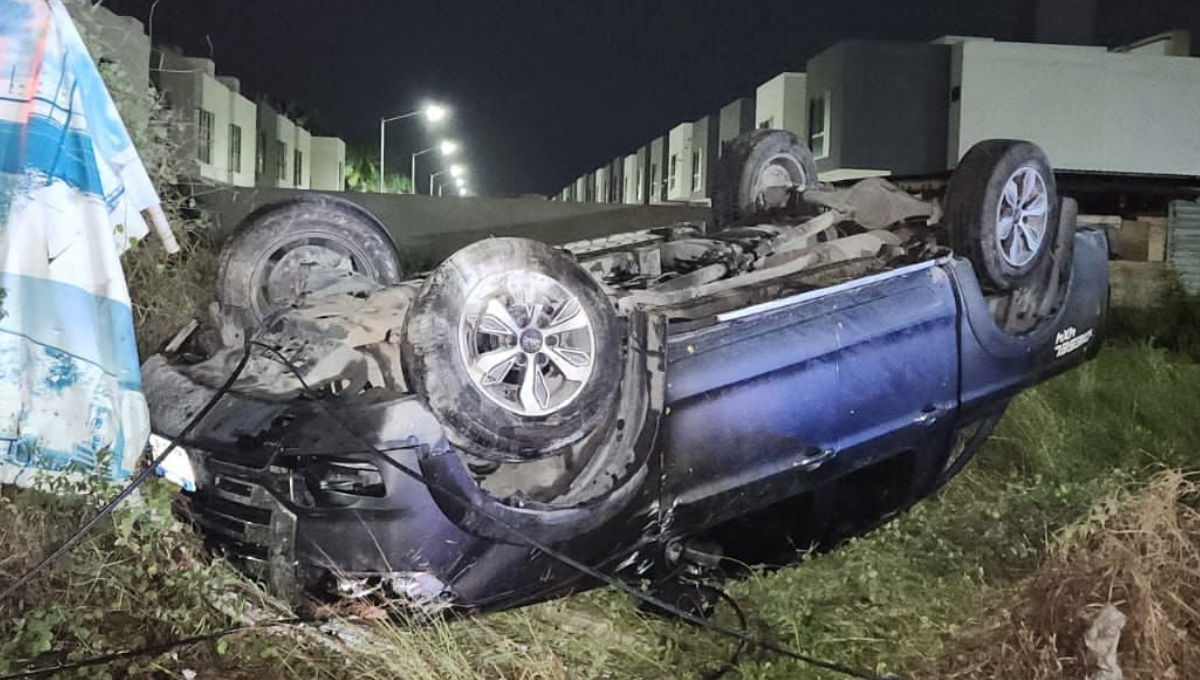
[{"x": 427, "y": 229}]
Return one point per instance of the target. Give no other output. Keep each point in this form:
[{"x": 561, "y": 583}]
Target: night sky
[{"x": 544, "y": 91}]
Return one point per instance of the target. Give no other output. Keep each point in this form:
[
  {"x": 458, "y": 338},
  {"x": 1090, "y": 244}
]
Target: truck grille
[{"x": 235, "y": 515}]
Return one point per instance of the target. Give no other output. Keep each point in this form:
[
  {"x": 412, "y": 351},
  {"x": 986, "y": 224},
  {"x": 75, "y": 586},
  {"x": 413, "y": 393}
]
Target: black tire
[
  {"x": 973, "y": 207},
  {"x": 483, "y": 418},
  {"x": 743, "y": 160},
  {"x": 249, "y": 287}
]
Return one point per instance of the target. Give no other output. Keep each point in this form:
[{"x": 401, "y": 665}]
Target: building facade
[
  {"x": 218, "y": 123},
  {"x": 911, "y": 110},
  {"x": 634, "y": 173},
  {"x": 878, "y": 108},
  {"x": 1091, "y": 109},
  {"x": 735, "y": 118},
  {"x": 328, "y": 164},
  {"x": 705, "y": 147},
  {"x": 781, "y": 103},
  {"x": 222, "y": 139},
  {"x": 679, "y": 163}
]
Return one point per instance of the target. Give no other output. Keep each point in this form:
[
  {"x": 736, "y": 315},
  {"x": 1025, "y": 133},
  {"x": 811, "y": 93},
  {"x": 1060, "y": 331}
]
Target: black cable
[
  {"x": 133, "y": 485},
  {"x": 152, "y": 650},
  {"x": 532, "y": 542},
  {"x": 743, "y": 622}
]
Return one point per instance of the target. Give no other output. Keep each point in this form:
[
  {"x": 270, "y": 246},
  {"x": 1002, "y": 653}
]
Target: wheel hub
[
  {"x": 527, "y": 343},
  {"x": 776, "y": 180},
  {"x": 286, "y": 270},
  {"x": 1022, "y": 217},
  {"x": 531, "y": 341}
]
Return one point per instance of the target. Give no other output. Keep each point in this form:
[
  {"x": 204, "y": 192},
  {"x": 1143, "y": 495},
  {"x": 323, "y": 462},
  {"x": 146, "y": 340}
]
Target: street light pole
[
  {"x": 433, "y": 177},
  {"x": 383, "y": 140},
  {"x": 446, "y": 146},
  {"x": 433, "y": 113}
]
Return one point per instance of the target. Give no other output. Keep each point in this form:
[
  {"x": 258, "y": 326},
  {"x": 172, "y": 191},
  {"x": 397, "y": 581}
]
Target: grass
[
  {"x": 910, "y": 598},
  {"x": 896, "y": 600}
]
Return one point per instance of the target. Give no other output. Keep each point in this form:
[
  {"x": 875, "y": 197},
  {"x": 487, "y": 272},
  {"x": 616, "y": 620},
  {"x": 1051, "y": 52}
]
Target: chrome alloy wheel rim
[
  {"x": 527, "y": 343},
  {"x": 1022, "y": 216}
]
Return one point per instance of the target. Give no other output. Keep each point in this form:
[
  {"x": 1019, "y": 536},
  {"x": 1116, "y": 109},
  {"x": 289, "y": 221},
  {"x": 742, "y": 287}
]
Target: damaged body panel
[{"x": 631, "y": 401}]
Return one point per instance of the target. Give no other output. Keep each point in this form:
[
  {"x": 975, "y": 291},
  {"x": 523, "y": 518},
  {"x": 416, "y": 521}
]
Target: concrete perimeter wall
[{"x": 427, "y": 229}]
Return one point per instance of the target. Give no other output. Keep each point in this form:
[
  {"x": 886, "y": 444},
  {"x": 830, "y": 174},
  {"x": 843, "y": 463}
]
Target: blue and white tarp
[{"x": 72, "y": 196}]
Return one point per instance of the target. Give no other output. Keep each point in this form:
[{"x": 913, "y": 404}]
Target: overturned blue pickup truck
[{"x": 809, "y": 365}]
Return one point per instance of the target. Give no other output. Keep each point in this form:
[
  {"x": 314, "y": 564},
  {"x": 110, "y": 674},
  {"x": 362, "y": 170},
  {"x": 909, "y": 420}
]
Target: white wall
[
  {"x": 214, "y": 98},
  {"x": 303, "y": 144},
  {"x": 243, "y": 114},
  {"x": 600, "y": 177},
  {"x": 581, "y": 188},
  {"x": 285, "y": 133},
  {"x": 781, "y": 104},
  {"x": 328, "y": 164},
  {"x": 658, "y": 173},
  {"x": 679, "y": 162},
  {"x": 1090, "y": 109},
  {"x": 633, "y": 179}
]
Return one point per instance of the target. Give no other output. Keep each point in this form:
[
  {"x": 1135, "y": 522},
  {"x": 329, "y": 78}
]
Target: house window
[
  {"x": 674, "y": 171},
  {"x": 655, "y": 182},
  {"x": 298, "y": 168},
  {"x": 260, "y": 156},
  {"x": 281, "y": 161},
  {"x": 818, "y": 125},
  {"x": 204, "y": 151},
  {"x": 235, "y": 148},
  {"x": 637, "y": 179},
  {"x": 697, "y": 171}
]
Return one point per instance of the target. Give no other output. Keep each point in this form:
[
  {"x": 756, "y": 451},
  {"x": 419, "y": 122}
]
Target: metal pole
[
  {"x": 382, "y": 125},
  {"x": 412, "y": 178},
  {"x": 431, "y": 184}
]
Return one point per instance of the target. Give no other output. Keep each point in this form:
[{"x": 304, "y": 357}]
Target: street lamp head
[
  {"x": 435, "y": 113},
  {"x": 457, "y": 170},
  {"x": 448, "y": 147}
]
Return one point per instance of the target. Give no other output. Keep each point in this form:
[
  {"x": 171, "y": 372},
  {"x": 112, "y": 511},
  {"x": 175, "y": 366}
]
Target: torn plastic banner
[{"x": 72, "y": 195}]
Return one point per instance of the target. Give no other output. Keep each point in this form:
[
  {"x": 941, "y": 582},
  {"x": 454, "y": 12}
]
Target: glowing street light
[
  {"x": 447, "y": 147},
  {"x": 433, "y": 113},
  {"x": 456, "y": 171}
]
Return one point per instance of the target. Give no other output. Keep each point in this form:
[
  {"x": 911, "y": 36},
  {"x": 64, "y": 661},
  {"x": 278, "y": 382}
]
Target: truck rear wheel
[
  {"x": 1002, "y": 211},
  {"x": 265, "y": 265},
  {"x": 761, "y": 172},
  {"x": 514, "y": 347}
]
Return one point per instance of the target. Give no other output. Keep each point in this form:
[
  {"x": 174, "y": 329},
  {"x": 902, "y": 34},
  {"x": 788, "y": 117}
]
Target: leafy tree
[{"x": 362, "y": 174}]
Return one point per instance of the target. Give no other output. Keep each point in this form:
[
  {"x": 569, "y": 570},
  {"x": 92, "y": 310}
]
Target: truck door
[
  {"x": 752, "y": 410},
  {"x": 898, "y": 368}
]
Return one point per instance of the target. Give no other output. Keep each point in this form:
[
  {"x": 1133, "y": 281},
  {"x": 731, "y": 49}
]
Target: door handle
[
  {"x": 813, "y": 458},
  {"x": 929, "y": 415}
]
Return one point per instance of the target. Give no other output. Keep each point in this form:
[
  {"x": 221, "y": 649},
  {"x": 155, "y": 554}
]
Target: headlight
[
  {"x": 176, "y": 467},
  {"x": 350, "y": 477}
]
